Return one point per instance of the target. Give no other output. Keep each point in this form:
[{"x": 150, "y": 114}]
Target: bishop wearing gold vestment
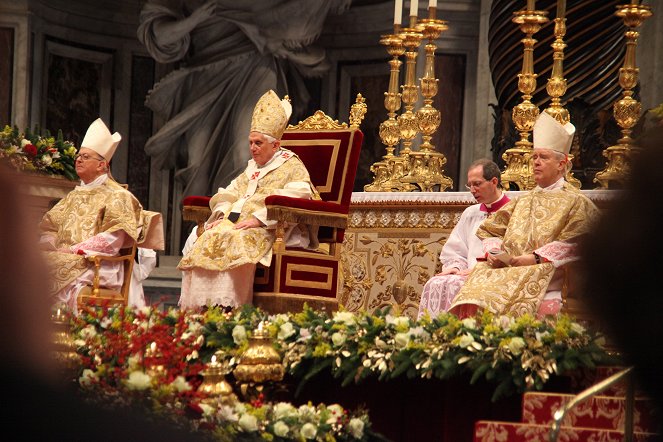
[
  {"x": 529, "y": 239},
  {"x": 98, "y": 217}
]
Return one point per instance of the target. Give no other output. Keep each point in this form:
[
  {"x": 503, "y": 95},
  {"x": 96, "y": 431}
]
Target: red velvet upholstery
[{"x": 197, "y": 201}]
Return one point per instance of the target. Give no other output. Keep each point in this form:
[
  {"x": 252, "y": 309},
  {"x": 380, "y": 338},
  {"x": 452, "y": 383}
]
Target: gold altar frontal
[{"x": 393, "y": 243}]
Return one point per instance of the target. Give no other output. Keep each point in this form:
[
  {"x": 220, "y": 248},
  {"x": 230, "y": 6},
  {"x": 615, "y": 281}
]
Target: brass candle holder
[
  {"x": 152, "y": 360},
  {"x": 214, "y": 382},
  {"x": 627, "y": 110},
  {"x": 64, "y": 353},
  {"x": 389, "y": 129},
  {"x": 260, "y": 363},
  {"x": 427, "y": 165},
  {"x": 407, "y": 120},
  {"x": 518, "y": 169},
  {"x": 556, "y": 86}
]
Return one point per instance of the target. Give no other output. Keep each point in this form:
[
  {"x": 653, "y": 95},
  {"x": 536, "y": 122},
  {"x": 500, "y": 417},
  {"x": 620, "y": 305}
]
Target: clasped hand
[{"x": 527, "y": 259}]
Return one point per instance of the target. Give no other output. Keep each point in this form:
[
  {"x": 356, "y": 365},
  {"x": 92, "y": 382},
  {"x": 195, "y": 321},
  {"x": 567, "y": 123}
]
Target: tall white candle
[
  {"x": 432, "y": 3},
  {"x": 414, "y": 8},
  {"x": 398, "y": 12}
]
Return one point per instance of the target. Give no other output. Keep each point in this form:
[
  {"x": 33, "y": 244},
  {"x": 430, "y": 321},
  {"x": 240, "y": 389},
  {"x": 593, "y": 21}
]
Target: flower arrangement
[
  {"x": 152, "y": 360},
  {"x": 35, "y": 153}
]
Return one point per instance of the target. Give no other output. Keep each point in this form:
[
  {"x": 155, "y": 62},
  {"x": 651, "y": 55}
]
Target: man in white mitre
[
  {"x": 98, "y": 217},
  {"x": 530, "y": 238},
  {"x": 462, "y": 248},
  {"x": 219, "y": 266}
]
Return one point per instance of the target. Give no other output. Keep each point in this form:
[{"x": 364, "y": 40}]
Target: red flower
[{"x": 30, "y": 150}]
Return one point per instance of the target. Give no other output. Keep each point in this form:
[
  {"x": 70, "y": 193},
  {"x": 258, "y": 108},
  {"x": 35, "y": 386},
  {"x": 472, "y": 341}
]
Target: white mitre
[
  {"x": 99, "y": 139},
  {"x": 550, "y": 134}
]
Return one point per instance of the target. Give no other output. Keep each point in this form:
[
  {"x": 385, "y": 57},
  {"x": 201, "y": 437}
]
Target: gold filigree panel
[{"x": 390, "y": 252}]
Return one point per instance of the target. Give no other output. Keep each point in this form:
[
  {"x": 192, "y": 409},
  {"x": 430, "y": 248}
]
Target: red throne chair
[{"x": 330, "y": 151}]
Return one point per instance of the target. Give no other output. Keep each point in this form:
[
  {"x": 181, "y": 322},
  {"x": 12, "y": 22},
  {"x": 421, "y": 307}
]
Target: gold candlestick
[
  {"x": 518, "y": 169},
  {"x": 258, "y": 364},
  {"x": 428, "y": 173},
  {"x": 214, "y": 382},
  {"x": 627, "y": 110},
  {"x": 389, "y": 132},
  {"x": 556, "y": 86},
  {"x": 407, "y": 121}
]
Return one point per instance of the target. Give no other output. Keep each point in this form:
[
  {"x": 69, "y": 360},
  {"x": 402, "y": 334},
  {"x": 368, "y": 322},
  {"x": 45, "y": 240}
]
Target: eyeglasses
[
  {"x": 475, "y": 184},
  {"x": 85, "y": 157}
]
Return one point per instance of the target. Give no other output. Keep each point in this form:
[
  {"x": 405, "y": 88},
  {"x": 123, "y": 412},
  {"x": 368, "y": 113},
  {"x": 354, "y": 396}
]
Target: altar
[{"x": 393, "y": 243}]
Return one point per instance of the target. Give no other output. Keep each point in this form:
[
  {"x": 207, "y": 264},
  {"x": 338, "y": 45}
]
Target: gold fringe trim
[
  {"x": 303, "y": 216},
  {"x": 196, "y": 213}
]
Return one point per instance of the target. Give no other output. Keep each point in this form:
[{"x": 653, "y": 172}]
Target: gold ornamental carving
[
  {"x": 518, "y": 170},
  {"x": 556, "y": 86},
  {"x": 627, "y": 110}
]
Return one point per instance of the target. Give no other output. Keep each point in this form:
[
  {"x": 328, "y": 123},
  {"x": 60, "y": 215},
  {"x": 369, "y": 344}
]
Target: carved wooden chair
[
  {"x": 97, "y": 295},
  {"x": 330, "y": 151}
]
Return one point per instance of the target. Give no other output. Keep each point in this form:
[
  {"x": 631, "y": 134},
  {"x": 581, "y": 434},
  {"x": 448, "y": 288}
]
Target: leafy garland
[
  {"x": 516, "y": 354},
  {"x": 35, "y": 153}
]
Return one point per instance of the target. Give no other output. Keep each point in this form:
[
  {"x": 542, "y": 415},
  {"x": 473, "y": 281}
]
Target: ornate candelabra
[
  {"x": 556, "y": 86},
  {"x": 390, "y": 132},
  {"x": 258, "y": 364},
  {"x": 518, "y": 169},
  {"x": 627, "y": 110},
  {"x": 407, "y": 120},
  {"x": 427, "y": 165}
]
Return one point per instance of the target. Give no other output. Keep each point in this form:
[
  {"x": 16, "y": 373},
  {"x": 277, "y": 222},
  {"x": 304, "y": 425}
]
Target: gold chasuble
[
  {"x": 541, "y": 218},
  {"x": 83, "y": 213},
  {"x": 224, "y": 248}
]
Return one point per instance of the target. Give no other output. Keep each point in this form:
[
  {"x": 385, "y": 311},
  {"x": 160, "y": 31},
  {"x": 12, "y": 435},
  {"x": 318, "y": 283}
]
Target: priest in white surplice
[
  {"x": 219, "y": 266},
  {"x": 462, "y": 248}
]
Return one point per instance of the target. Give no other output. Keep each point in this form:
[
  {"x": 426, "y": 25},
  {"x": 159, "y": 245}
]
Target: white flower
[
  {"x": 248, "y": 422},
  {"x": 308, "y": 431},
  {"x": 348, "y": 318},
  {"x": 181, "y": 384},
  {"x": 87, "y": 377},
  {"x": 133, "y": 361},
  {"x": 398, "y": 321},
  {"x": 88, "y": 332},
  {"x": 541, "y": 336},
  {"x": 47, "y": 160},
  {"x": 281, "y": 317},
  {"x": 283, "y": 410},
  {"x": 338, "y": 339},
  {"x": 239, "y": 334},
  {"x": 419, "y": 332},
  {"x": 401, "y": 339},
  {"x": 138, "y": 380},
  {"x": 577, "y": 328},
  {"x": 227, "y": 413},
  {"x": 516, "y": 345},
  {"x": 25, "y": 142},
  {"x": 286, "y": 330},
  {"x": 356, "y": 427},
  {"x": 55, "y": 154},
  {"x": 306, "y": 412},
  {"x": 240, "y": 408},
  {"x": 207, "y": 409},
  {"x": 336, "y": 410},
  {"x": 105, "y": 322},
  {"x": 281, "y": 429},
  {"x": 470, "y": 323},
  {"x": 146, "y": 310},
  {"x": 466, "y": 340},
  {"x": 304, "y": 334}
]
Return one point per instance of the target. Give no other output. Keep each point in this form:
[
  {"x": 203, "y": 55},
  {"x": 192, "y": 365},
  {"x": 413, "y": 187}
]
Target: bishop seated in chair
[
  {"x": 98, "y": 218},
  {"x": 219, "y": 266},
  {"x": 529, "y": 240}
]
